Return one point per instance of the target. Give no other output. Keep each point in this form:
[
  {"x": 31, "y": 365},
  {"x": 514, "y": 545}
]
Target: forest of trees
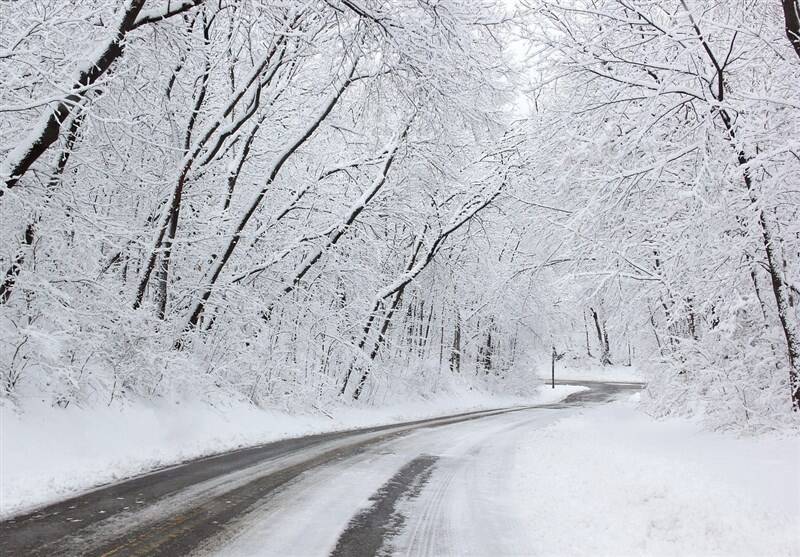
[{"x": 303, "y": 201}]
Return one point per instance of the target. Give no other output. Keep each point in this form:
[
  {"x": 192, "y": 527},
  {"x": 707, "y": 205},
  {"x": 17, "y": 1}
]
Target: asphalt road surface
[{"x": 343, "y": 494}]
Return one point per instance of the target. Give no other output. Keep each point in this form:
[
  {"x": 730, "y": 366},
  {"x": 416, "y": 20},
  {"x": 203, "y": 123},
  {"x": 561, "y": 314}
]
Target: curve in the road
[{"x": 171, "y": 511}]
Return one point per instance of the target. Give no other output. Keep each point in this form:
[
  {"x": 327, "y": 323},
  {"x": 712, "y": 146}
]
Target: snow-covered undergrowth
[
  {"x": 746, "y": 393},
  {"x": 612, "y": 481},
  {"x": 731, "y": 383},
  {"x": 590, "y": 371},
  {"x": 48, "y": 453}
]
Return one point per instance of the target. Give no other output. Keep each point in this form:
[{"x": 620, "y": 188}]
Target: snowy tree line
[
  {"x": 253, "y": 197},
  {"x": 308, "y": 200},
  {"x": 679, "y": 120}
]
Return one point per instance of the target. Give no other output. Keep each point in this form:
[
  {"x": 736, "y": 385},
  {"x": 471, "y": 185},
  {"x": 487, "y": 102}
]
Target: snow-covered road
[
  {"x": 590, "y": 476},
  {"x": 578, "y": 480},
  {"x": 432, "y": 492}
]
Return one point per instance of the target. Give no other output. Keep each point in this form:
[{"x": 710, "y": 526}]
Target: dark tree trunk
[
  {"x": 29, "y": 236},
  {"x": 602, "y": 338},
  {"x": 13, "y": 271},
  {"x": 35, "y": 145},
  {"x": 387, "y": 320},
  {"x": 770, "y": 241},
  {"x": 486, "y": 352},
  {"x": 455, "y": 350},
  {"x": 163, "y": 271},
  {"x": 691, "y": 320},
  {"x": 787, "y": 320},
  {"x": 186, "y": 166},
  {"x": 423, "y": 345},
  {"x": 791, "y": 15},
  {"x": 586, "y": 330},
  {"x": 371, "y": 321},
  {"x": 655, "y": 332},
  {"x": 197, "y": 311},
  {"x": 606, "y": 347}
]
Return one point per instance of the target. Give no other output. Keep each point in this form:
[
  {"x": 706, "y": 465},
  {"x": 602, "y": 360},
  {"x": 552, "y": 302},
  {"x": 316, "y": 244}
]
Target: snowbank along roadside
[{"x": 49, "y": 454}]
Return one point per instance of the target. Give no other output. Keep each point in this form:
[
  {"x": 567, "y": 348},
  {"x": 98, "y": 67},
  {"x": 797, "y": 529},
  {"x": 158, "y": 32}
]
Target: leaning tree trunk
[
  {"x": 39, "y": 139},
  {"x": 163, "y": 269},
  {"x": 10, "y": 278},
  {"x": 216, "y": 271},
  {"x": 189, "y": 161},
  {"x": 29, "y": 236},
  {"x": 376, "y": 306},
  {"x": 782, "y": 299},
  {"x": 791, "y": 15},
  {"x": 387, "y": 320}
]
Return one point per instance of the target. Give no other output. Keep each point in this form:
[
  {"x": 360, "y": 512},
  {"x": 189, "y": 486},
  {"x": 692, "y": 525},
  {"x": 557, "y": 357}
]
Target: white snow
[
  {"x": 584, "y": 371},
  {"x": 601, "y": 481},
  {"x": 611, "y": 481},
  {"x": 329, "y": 497},
  {"x": 48, "y": 453}
]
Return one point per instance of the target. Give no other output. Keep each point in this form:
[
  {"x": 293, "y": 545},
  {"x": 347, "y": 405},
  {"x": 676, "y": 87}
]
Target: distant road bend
[{"x": 265, "y": 500}]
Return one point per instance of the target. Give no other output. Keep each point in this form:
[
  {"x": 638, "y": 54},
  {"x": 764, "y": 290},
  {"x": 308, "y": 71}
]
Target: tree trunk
[
  {"x": 770, "y": 241},
  {"x": 586, "y": 330},
  {"x": 791, "y": 15},
  {"x": 20, "y": 159},
  {"x": 194, "y": 316},
  {"x": 189, "y": 160},
  {"x": 47, "y": 131},
  {"x": 29, "y": 236},
  {"x": 160, "y": 294},
  {"x": 655, "y": 331},
  {"x": 376, "y": 306},
  {"x": 602, "y": 338},
  {"x": 455, "y": 350},
  {"x": 387, "y": 319},
  {"x": 10, "y": 279},
  {"x": 788, "y": 322},
  {"x": 606, "y": 347},
  {"x": 357, "y": 208},
  {"x": 163, "y": 271}
]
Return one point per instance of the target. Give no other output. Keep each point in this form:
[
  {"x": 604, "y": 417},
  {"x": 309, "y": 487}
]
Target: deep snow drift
[{"x": 48, "y": 454}]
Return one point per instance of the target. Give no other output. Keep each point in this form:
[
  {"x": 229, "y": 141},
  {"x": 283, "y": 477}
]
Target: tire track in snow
[
  {"x": 452, "y": 498},
  {"x": 174, "y": 510},
  {"x": 370, "y": 530}
]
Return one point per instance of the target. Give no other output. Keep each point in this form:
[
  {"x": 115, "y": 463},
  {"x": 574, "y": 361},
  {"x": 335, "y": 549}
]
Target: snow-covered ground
[
  {"x": 601, "y": 481},
  {"x": 48, "y": 454},
  {"x": 611, "y": 481}
]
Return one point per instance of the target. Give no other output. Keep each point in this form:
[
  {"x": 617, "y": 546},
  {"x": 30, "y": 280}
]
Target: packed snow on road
[{"x": 601, "y": 480}]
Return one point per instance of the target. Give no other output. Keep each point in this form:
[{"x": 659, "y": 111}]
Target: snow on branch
[{"x": 168, "y": 10}]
